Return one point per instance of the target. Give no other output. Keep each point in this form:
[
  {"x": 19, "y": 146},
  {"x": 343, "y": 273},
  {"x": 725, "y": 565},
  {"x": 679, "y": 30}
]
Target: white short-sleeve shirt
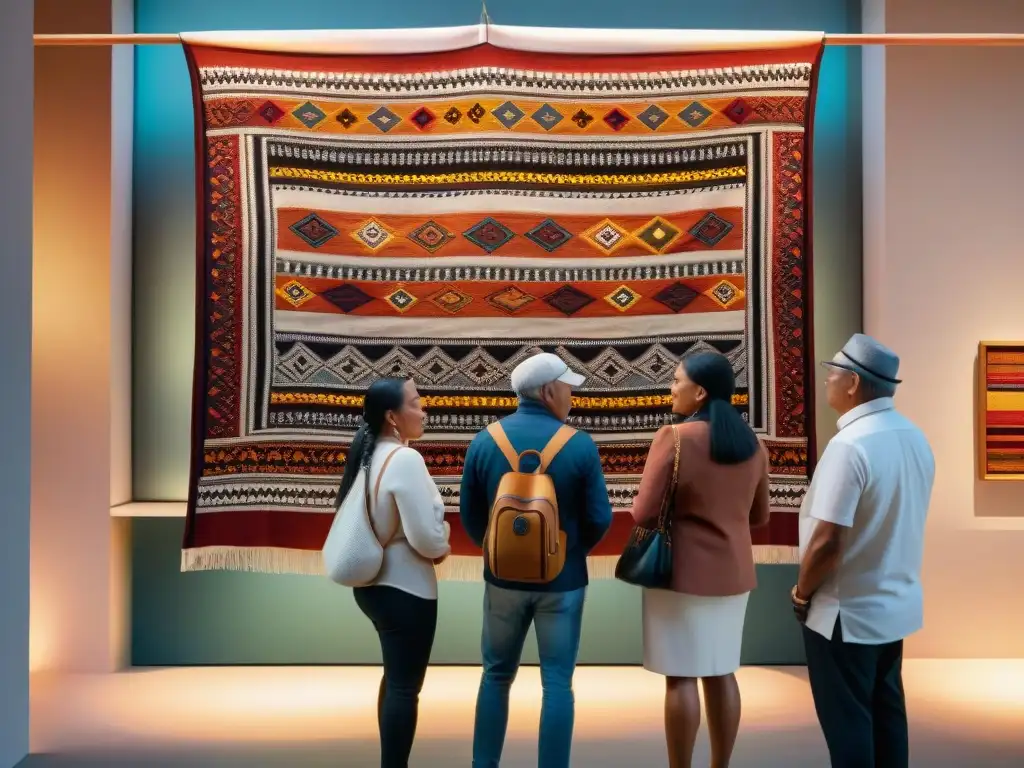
[{"x": 875, "y": 479}]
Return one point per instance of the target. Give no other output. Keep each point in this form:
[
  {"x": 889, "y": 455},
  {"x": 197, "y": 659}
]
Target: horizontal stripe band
[
  {"x": 1005, "y": 401},
  {"x": 515, "y": 177},
  {"x": 436, "y": 401},
  {"x": 495, "y": 327}
]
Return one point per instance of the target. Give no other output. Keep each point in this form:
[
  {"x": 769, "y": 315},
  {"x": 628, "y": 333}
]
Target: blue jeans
[{"x": 557, "y": 617}]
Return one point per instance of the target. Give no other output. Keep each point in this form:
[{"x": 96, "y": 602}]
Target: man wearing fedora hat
[{"x": 861, "y": 545}]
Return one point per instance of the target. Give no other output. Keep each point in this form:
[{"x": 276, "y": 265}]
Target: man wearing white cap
[
  {"x": 544, "y": 384},
  {"x": 861, "y": 545}
]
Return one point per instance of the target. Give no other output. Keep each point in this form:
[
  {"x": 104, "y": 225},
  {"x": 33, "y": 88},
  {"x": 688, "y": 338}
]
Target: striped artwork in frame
[{"x": 1001, "y": 410}]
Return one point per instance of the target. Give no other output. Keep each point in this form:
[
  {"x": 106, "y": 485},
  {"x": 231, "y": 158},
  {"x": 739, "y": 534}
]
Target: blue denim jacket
[{"x": 585, "y": 512}]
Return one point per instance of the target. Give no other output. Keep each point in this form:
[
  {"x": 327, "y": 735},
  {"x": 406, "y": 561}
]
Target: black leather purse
[{"x": 647, "y": 559}]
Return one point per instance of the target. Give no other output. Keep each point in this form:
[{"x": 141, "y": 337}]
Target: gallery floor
[{"x": 964, "y": 714}]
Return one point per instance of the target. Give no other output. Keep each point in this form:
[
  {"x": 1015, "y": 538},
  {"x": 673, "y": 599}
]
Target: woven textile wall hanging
[{"x": 423, "y": 202}]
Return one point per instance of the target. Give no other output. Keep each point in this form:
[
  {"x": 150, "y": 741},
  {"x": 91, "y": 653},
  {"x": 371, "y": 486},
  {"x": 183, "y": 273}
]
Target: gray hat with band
[{"x": 867, "y": 358}]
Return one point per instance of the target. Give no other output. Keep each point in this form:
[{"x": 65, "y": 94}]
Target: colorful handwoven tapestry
[
  {"x": 432, "y": 205},
  {"x": 1001, "y": 411}
]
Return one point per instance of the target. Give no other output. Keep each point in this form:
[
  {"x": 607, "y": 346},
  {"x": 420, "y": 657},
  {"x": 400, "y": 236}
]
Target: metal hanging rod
[{"x": 975, "y": 40}]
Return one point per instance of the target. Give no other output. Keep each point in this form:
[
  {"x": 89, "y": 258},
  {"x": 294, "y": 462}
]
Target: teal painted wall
[
  {"x": 229, "y": 618},
  {"x": 251, "y": 618}
]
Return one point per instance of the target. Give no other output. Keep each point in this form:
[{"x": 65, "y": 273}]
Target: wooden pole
[
  {"x": 979, "y": 40},
  {"x": 973, "y": 40},
  {"x": 126, "y": 39}
]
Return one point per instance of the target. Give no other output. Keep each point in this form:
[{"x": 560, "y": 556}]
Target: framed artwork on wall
[{"x": 1001, "y": 410}]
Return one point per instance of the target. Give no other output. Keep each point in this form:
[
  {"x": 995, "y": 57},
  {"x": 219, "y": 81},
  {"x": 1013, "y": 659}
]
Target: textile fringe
[
  {"x": 471, "y": 568},
  {"x": 770, "y": 554},
  {"x": 456, "y": 568},
  {"x": 303, "y": 562},
  {"x": 461, "y": 568}
]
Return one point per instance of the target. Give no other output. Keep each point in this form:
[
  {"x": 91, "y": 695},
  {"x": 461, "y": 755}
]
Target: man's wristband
[{"x": 797, "y": 599}]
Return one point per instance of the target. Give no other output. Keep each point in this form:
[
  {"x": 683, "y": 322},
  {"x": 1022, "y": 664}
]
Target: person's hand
[
  {"x": 441, "y": 559},
  {"x": 801, "y": 605}
]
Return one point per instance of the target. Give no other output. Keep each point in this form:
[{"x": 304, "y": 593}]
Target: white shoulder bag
[{"x": 352, "y": 553}]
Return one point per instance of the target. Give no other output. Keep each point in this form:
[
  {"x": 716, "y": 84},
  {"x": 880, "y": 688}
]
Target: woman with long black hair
[
  {"x": 408, "y": 518},
  {"x": 719, "y": 492}
]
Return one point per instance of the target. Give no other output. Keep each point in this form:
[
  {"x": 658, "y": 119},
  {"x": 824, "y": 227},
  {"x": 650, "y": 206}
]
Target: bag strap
[
  {"x": 670, "y": 492},
  {"x": 376, "y": 496},
  {"x": 554, "y": 446},
  {"x": 545, "y": 457},
  {"x": 497, "y": 433}
]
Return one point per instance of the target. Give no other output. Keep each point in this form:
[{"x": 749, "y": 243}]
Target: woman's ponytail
[
  {"x": 383, "y": 396},
  {"x": 732, "y": 439}
]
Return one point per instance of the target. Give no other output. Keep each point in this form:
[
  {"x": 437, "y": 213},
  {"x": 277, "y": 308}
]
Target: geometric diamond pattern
[
  {"x": 299, "y": 363},
  {"x": 451, "y": 299},
  {"x": 568, "y": 300},
  {"x": 481, "y": 368},
  {"x": 401, "y": 300},
  {"x": 658, "y": 234},
  {"x": 435, "y": 366},
  {"x": 582, "y": 119},
  {"x": 606, "y": 235},
  {"x": 347, "y": 118},
  {"x": 270, "y": 112},
  {"x": 694, "y": 114},
  {"x": 676, "y": 297},
  {"x": 314, "y": 230},
  {"x": 422, "y": 118},
  {"x": 350, "y": 366},
  {"x": 623, "y": 298},
  {"x": 657, "y": 363},
  {"x": 711, "y": 229},
  {"x": 348, "y": 298},
  {"x": 295, "y": 293},
  {"x": 489, "y": 234},
  {"x": 431, "y": 236},
  {"x": 510, "y": 299},
  {"x": 396, "y": 364},
  {"x": 384, "y": 119},
  {"x": 616, "y": 119},
  {"x": 547, "y": 117},
  {"x": 372, "y": 234},
  {"x": 549, "y": 235},
  {"x": 653, "y": 117},
  {"x": 724, "y": 293},
  {"x": 610, "y": 367},
  {"x": 309, "y": 114},
  {"x": 508, "y": 114},
  {"x": 738, "y": 111}
]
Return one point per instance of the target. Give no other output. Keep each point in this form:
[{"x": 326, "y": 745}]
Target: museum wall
[
  {"x": 209, "y": 617},
  {"x": 16, "y": 386},
  {"x": 944, "y": 270},
  {"x": 81, "y": 346}
]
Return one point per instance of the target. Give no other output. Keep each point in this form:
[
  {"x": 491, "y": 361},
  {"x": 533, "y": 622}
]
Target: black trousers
[
  {"x": 858, "y": 695},
  {"x": 405, "y": 625}
]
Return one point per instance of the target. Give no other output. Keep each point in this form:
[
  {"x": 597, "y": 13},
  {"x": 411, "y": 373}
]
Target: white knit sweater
[{"x": 409, "y": 515}]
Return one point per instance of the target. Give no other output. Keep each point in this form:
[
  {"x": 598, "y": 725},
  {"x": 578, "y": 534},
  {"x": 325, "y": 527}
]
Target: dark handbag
[{"x": 647, "y": 559}]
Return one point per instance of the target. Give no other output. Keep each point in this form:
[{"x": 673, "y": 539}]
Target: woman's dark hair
[
  {"x": 732, "y": 439},
  {"x": 383, "y": 395}
]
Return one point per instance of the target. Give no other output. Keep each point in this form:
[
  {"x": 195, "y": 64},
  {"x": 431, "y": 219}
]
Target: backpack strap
[
  {"x": 497, "y": 433},
  {"x": 556, "y": 444}
]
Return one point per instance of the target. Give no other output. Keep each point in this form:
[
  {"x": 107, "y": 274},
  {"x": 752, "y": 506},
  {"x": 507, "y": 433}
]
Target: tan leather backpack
[{"x": 524, "y": 541}]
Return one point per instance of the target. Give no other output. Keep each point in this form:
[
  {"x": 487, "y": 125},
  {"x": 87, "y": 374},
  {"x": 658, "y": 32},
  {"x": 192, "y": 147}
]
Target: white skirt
[{"x": 692, "y": 636}]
